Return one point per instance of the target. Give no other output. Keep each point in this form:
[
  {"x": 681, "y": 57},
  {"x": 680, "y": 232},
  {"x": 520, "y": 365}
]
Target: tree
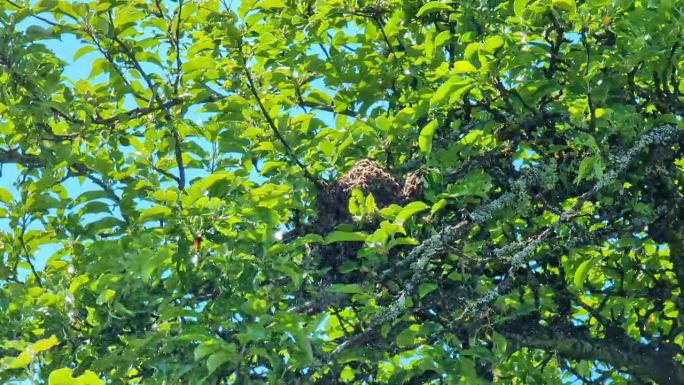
[{"x": 342, "y": 191}]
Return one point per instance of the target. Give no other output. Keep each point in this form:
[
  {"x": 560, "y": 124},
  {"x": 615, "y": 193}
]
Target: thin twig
[
  {"x": 176, "y": 40},
  {"x": 271, "y": 123}
]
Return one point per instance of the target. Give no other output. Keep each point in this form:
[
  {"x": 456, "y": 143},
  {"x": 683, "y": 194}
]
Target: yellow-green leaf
[
  {"x": 345, "y": 236},
  {"x": 21, "y": 361},
  {"x": 438, "y": 205},
  {"x": 409, "y": 210},
  {"x": 83, "y": 50},
  {"x": 347, "y": 374},
  {"x": 5, "y": 195},
  {"x": 452, "y": 90},
  {"x": 470, "y": 50},
  {"x": 64, "y": 376},
  {"x": 89, "y": 378},
  {"x": 271, "y": 4},
  {"x": 565, "y": 5},
  {"x": 463, "y": 66},
  {"x": 519, "y": 7},
  {"x": 492, "y": 43},
  {"x": 61, "y": 377},
  {"x": 44, "y": 344},
  {"x": 425, "y": 138},
  {"x": 106, "y": 296},
  {"x": 35, "y": 291},
  {"x": 582, "y": 271},
  {"x": 156, "y": 212},
  {"x": 433, "y": 7}
]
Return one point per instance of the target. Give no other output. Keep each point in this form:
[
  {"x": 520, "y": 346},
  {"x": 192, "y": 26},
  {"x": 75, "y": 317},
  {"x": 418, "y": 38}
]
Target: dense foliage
[{"x": 342, "y": 191}]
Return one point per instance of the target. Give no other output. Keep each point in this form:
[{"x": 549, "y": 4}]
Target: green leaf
[
  {"x": 5, "y": 195},
  {"x": 21, "y": 361},
  {"x": 591, "y": 168},
  {"x": 407, "y": 336},
  {"x": 438, "y": 206},
  {"x": 425, "y": 137},
  {"x": 582, "y": 271},
  {"x": 587, "y": 140},
  {"x": 308, "y": 238},
  {"x": 271, "y": 4},
  {"x": 355, "y": 201},
  {"x": 500, "y": 344},
  {"x": 44, "y": 5},
  {"x": 425, "y": 289},
  {"x": 39, "y": 33},
  {"x": 346, "y": 289},
  {"x": 345, "y": 236},
  {"x": 410, "y": 210},
  {"x": 565, "y": 5},
  {"x": 407, "y": 241},
  {"x": 455, "y": 276},
  {"x": 154, "y": 213},
  {"x": 519, "y": 7},
  {"x": 347, "y": 374},
  {"x": 219, "y": 359},
  {"x": 304, "y": 354},
  {"x": 61, "y": 377},
  {"x": 492, "y": 44},
  {"x": 321, "y": 97},
  {"x": 463, "y": 66},
  {"x": 452, "y": 90},
  {"x": 82, "y": 51},
  {"x": 106, "y": 296},
  {"x": 44, "y": 344},
  {"x": 205, "y": 348},
  {"x": 370, "y": 204},
  {"x": 89, "y": 378},
  {"x": 433, "y": 7}
]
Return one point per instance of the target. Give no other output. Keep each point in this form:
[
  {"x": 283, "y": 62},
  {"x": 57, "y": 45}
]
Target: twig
[
  {"x": 176, "y": 40},
  {"x": 44, "y": 20},
  {"x": 271, "y": 123},
  {"x": 179, "y": 159}
]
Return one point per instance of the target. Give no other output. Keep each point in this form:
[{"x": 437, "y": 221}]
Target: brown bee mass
[
  {"x": 332, "y": 205},
  {"x": 370, "y": 178}
]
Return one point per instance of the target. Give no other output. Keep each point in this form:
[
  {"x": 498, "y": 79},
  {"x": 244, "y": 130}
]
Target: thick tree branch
[
  {"x": 575, "y": 343},
  {"x": 12, "y": 156}
]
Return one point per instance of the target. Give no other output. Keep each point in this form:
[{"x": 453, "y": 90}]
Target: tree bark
[{"x": 619, "y": 351}]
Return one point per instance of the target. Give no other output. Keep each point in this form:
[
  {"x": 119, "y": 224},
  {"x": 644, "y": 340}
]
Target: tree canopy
[{"x": 342, "y": 192}]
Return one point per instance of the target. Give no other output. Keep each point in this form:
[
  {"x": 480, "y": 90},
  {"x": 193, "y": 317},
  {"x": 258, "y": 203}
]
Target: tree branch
[
  {"x": 138, "y": 112},
  {"x": 176, "y": 44},
  {"x": 575, "y": 343},
  {"x": 323, "y": 107},
  {"x": 288, "y": 150}
]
